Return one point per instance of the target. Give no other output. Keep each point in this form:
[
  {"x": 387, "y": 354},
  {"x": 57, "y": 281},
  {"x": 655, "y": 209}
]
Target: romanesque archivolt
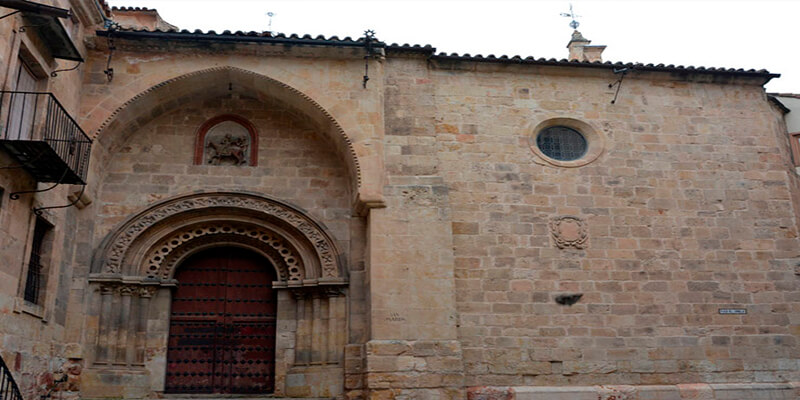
[
  {"x": 161, "y": 256},
  {"x": 164, "y": 257},
  {"x": 569, "y": 231}
]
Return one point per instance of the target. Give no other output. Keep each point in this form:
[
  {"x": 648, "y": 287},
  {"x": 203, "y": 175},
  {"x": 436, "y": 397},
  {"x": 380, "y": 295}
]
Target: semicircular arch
[
  {"x": 200, "y": 245},
  {"x": 153, "y": 242}
]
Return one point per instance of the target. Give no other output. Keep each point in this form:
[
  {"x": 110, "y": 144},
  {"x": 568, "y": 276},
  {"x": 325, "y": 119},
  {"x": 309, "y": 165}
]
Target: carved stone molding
[
  {"x": 107, "y": 288},
  {"x": 116, "y": 248},
  {"x": 334, "y": 291},
  {"x": 569, "y": 231},
  {"x": 124, "y": 288},
  {"x": 162, "y": 260},
  {"x": 317, "y": 292},
  {"x": 147, "y": 291}
]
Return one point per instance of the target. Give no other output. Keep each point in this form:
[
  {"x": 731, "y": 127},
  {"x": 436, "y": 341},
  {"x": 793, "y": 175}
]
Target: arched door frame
[{"x": 132, "y": 273}]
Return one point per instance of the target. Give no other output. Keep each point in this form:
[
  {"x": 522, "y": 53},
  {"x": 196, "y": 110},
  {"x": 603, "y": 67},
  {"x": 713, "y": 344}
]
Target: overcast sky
[{"x": 731, "y": 34}]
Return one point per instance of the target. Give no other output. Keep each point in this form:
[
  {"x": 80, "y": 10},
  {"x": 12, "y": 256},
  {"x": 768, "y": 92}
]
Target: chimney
[
  {"x": 140, "y": 18},
  {"x": 580, "y": 50}
]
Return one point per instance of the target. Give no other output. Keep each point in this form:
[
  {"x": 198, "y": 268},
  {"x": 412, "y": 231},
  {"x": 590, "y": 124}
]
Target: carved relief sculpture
[
  {"x": 227, "y": 143},
  {"x": 569, "y": 231},
  {"x": 226, "y": 140}
]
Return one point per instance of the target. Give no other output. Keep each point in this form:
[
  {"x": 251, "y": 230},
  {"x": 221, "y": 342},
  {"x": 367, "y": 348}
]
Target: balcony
[
  {"x": 46, "y": 20},
  {"x": 43, "y": 138}
]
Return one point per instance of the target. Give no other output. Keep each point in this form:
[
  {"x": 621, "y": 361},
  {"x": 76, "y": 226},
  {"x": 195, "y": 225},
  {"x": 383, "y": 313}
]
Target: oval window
[{"x": 561, "y": 143}]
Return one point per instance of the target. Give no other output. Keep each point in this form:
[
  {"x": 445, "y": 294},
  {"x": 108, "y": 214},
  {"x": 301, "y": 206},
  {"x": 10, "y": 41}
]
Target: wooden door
[
  {"x": 222, "y": 325},
  {"x": 23, "y": 105}
]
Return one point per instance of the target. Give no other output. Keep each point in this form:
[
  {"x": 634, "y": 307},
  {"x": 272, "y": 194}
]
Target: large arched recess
[{"x": 220, "y": 81}]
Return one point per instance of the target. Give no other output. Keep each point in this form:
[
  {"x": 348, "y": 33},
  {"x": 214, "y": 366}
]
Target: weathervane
[
  {"x": 571, "y": 14},
  {"x": 270, "y": 14}
]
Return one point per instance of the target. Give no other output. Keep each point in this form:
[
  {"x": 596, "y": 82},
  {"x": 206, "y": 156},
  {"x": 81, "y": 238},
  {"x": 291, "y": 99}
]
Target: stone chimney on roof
[
  {"x": 140, "y": 18},
  {"x": 580, "y": 50}
]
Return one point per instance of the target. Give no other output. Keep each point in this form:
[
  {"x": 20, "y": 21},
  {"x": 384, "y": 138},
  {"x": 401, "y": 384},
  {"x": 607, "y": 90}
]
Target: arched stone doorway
[
  {"x": 222, "y": 324},
  {"x": 134, "y": 280}
]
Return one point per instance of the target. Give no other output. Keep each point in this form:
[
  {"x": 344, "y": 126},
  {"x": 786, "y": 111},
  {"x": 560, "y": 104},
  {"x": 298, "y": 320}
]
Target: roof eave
[
  {"x": 230, "y": 38},
  {"x": 767, "y": 76},
  {"x": 774, "y": 100}
]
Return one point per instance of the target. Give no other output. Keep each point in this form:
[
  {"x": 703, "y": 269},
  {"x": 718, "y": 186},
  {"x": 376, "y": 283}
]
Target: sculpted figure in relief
[{"x": 227, "y": 143}]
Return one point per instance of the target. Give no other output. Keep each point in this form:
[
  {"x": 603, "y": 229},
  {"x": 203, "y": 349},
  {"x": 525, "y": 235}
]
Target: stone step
[{"x": 235, "y": 397}]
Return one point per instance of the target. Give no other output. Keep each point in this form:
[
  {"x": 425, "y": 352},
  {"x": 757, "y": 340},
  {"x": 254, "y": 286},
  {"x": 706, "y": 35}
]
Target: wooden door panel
[
  {"x": 252, "y": 360},
  {"x": 191, "y": 358},
  {"x": 231, "y": 291}
]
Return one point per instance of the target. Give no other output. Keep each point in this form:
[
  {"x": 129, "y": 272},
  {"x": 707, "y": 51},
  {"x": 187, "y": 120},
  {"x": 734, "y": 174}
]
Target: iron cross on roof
[{"x": 571, "y": 14}]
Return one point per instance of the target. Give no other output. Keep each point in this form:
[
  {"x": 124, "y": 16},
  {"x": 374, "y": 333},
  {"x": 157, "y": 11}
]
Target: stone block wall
[
  {"x": 295, "y": 164},
  {"x": 156, "y": 162},
  {"x": 32, "y": 336},
  {"x": 315, "y": 154},
  {"x": 688, "y": 210},
  {"x": 465, "y": 285},
  {"x": 413, "y": 351},
  {"x": 414, "y": 369}
]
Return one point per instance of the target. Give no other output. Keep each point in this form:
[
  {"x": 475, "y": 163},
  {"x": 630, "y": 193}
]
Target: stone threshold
[
  {"x": 222, "y": 396},
  {"x": 699, "y": 391}
]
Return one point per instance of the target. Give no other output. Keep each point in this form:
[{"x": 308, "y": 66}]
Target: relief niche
[{"x": 227, "y": 140}]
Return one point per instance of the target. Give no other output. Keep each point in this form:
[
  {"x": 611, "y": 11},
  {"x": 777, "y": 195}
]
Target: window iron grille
[{"x": 33, "y": 281}]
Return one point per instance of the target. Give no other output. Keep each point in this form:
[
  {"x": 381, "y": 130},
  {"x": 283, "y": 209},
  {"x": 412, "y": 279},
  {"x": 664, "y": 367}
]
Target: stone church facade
[{"x": 338, "y": 218}]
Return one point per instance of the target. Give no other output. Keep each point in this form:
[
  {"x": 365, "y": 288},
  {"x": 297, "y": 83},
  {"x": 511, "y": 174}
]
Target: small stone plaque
[
  {"x": 733, "y": 311},
  {"x": 569, "y": 231}
]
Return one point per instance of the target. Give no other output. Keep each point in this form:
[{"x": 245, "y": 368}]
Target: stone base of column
[
  {"x": 414, "y": 369},
  {"x": 696, "y": 391},
  {"x": 105, "y": 383}
]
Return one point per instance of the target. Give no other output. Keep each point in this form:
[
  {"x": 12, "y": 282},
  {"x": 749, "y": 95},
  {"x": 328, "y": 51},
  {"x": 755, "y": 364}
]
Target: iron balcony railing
[
  {"x": 43, "y": 137},
  {"x": 8, "y": 388}
]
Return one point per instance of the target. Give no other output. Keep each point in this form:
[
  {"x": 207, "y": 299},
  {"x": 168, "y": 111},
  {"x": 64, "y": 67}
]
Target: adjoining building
[{"x": 258, "y": 213}]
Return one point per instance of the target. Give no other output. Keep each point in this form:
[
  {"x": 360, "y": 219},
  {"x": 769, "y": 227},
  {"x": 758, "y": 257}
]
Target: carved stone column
[
  {"x": 130, "y": 349},
  {"x": 106, "y": 299},
  {"x": 145, "y": 294},
  {"x": 325, "y": 328},
  {"x": 301, "y": 351},
  {"x": 123, "y": 320},
  {"x": 321, "y": 325},
  {"x": 315, "y": 342}
]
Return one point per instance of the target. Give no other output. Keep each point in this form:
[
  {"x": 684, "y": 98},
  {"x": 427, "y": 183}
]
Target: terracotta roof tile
[
  {"x": 428, "y": 50},
  {"x": 600, "y": 64},
  {"x": 123, "y": 8},
  {"x": 211, "y": 35},
  {"x": 791, "y": 95}
]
